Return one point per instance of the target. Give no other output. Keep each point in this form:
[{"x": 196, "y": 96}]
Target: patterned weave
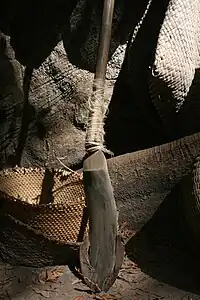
[
  {"x": 177, "y": 55},
  {"x": 58, "y": 219}
]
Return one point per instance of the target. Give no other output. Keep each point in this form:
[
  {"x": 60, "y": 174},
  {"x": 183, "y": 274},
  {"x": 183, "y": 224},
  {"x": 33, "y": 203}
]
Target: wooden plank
[{"x": 101, "y": 246}]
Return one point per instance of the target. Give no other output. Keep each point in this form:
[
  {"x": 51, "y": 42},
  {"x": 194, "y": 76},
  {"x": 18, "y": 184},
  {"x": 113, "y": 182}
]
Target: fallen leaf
[
  {"x": 51, "y": 275},
  {"x": 79, "y": 298}
]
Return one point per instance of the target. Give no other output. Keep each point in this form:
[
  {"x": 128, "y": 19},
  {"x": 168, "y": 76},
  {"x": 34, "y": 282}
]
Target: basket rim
[
  {"x": 63, "y": 172},
  {"x": 18, "y": 169}
]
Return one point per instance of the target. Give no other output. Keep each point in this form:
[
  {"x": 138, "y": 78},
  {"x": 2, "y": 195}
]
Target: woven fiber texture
[
  {"x": 54, "y": 212},
  {"x": 177, "y": 56}
]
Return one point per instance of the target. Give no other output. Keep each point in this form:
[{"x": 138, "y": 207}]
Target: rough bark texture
[{"x": 57, "y": 110}]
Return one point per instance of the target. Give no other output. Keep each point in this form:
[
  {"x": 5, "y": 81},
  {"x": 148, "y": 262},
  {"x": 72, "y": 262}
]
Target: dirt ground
[
  {"x": 131, "y": 284},
  {"x": 159, "y": 264}
]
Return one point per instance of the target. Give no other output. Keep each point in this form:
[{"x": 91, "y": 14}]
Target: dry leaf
[
  {"x": 51, "y": 275},
  {"x": 79, "y": 298}
]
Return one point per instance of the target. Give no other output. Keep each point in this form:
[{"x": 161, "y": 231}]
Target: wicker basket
[{"x": 41, "y": 215}]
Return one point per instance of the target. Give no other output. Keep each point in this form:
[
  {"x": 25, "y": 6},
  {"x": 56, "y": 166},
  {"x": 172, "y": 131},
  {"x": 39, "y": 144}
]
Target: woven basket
[{"x": 41, "y": 215}]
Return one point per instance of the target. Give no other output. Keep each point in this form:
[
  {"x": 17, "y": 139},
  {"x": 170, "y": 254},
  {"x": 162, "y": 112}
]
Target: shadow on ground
[{"x": 163, "y": 251}]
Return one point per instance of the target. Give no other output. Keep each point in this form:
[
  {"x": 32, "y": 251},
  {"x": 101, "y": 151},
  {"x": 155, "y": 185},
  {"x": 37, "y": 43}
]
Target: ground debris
[
  {"x": 51, "y": 275},
  {"x": 43, "y": 293},
  {"x": 103, "y": 296}
]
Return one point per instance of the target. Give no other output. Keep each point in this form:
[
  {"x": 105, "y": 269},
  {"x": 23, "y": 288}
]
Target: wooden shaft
[{"x": 105, "y": 37}]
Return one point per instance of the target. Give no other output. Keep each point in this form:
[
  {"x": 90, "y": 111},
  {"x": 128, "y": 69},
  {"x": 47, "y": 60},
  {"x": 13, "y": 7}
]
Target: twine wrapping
[{"x": 95, "y": 128}]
